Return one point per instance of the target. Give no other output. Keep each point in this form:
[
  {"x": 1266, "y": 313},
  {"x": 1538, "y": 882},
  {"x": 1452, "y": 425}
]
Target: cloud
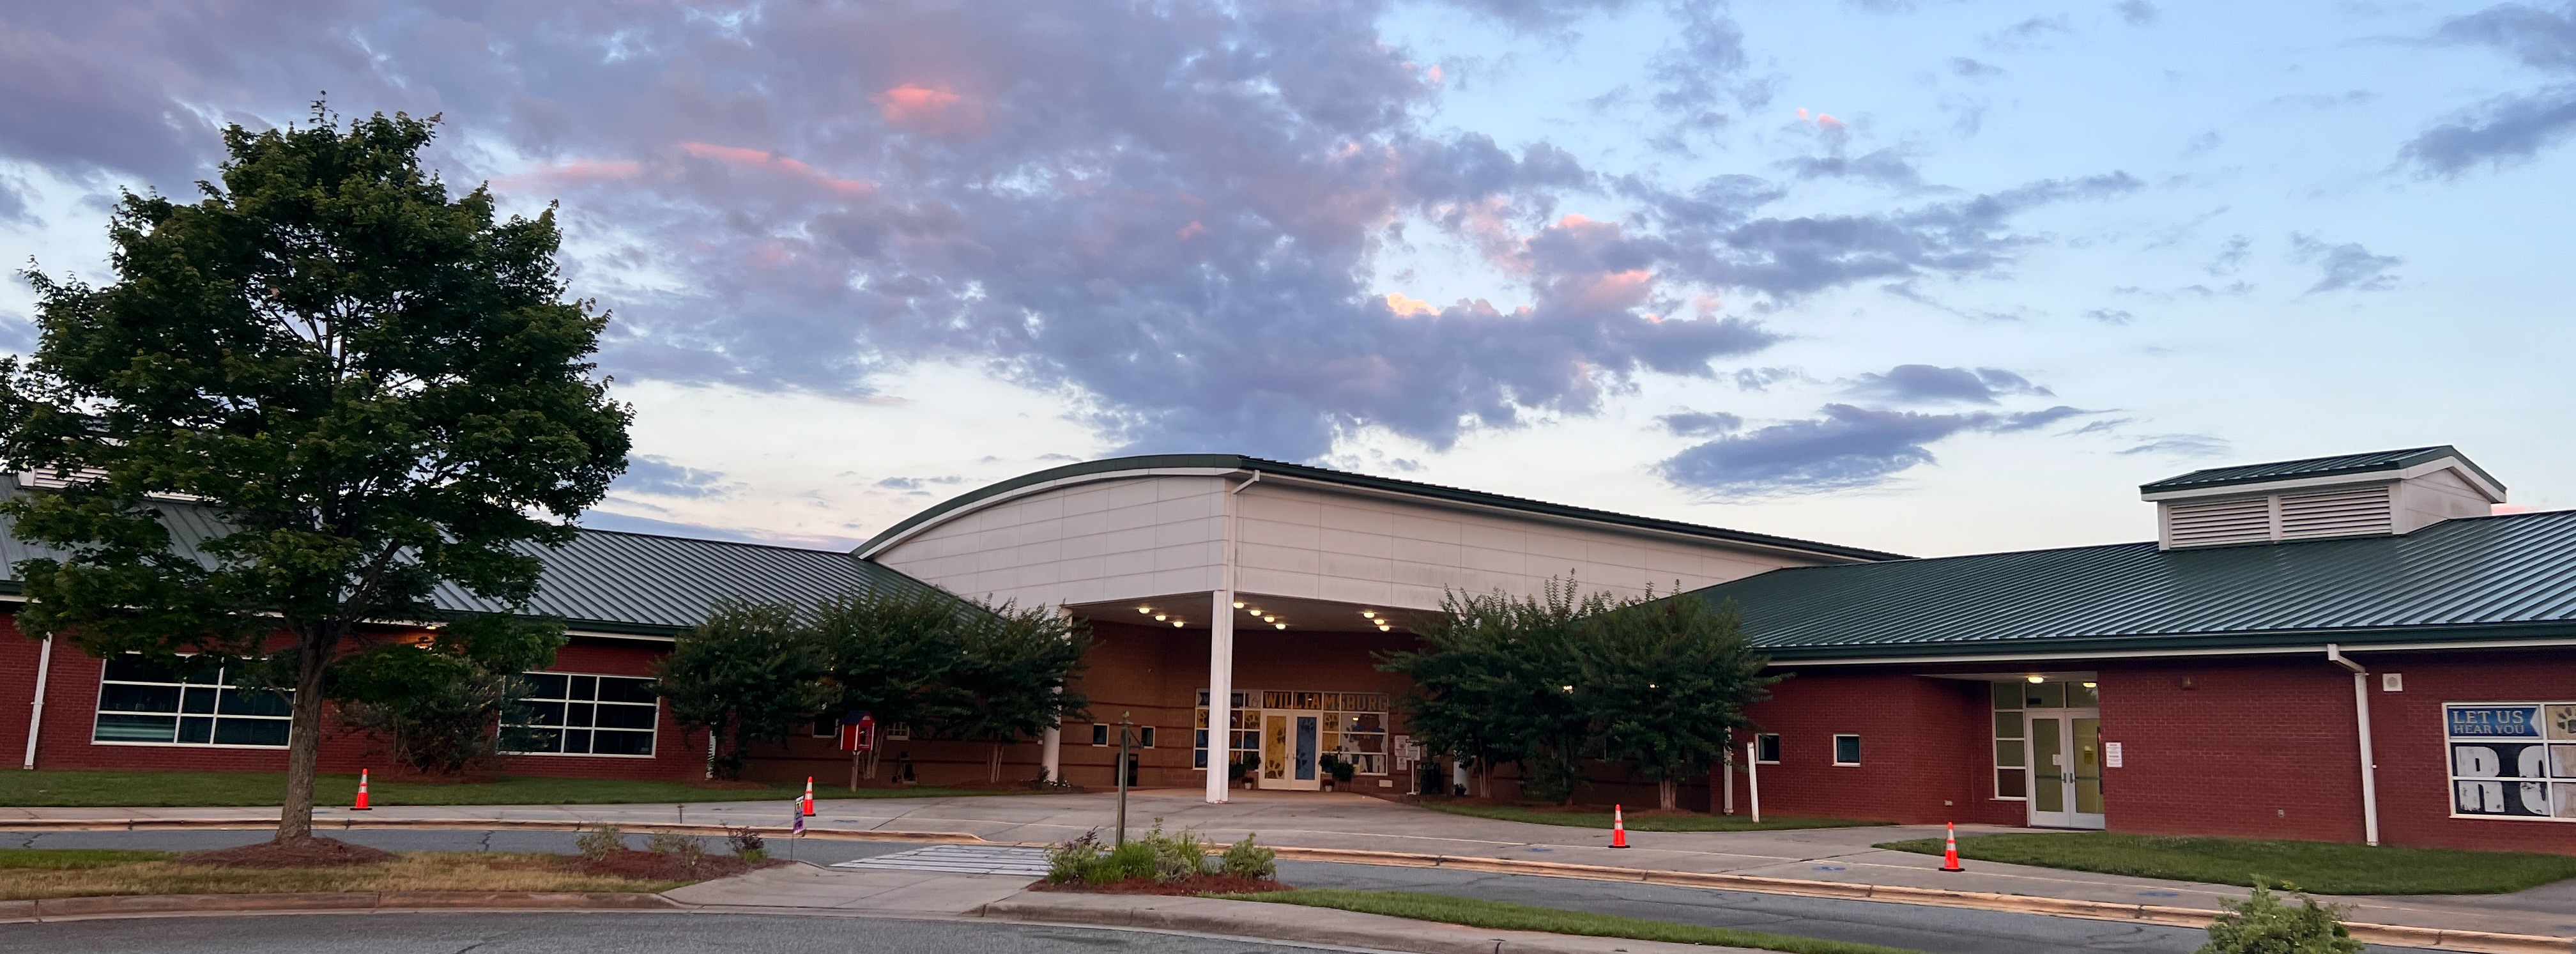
[
  {"x": 1170, "y": 213},
  {"x": 2347, "y": 266},
  {"x": 1700, "y": 423},
  {"x": 2231, "y": 255},
  {"x": 2514, "y": 126},
  {"x": 1929, "y": 384},
  {"x": 919, "y": 483},
  {"x": 2136, "y": 12},
  {"x": 2181, "y": 445},
  {"x": 1887, "y": 167},
  {"x": 1846, "y": 447},
  {"x": 2111, "y": 316},
  {"x": 1972, "y": 69},
  {"x": 658, "y": 476},
  {"x": 2027, "y": 34}
]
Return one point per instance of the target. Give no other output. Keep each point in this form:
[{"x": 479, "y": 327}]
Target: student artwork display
[{"x": 2512, "y": 759}]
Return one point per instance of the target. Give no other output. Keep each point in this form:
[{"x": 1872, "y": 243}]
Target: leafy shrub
[
  {"x": 600, "y": 842},
  {"x": 746, "y": 843},
  {"x": 2261, "y": 924},
  {"x": 1072, "y": 860},
  {"x": 687, "y": 849},
  {"x": 1176, "y": 857},
  {"x": 1133, "y": 861},
  {"x": 1339, "y": 768},
  {"x": 1155, "y": 855},
  {"x": 1243, "y": 859}
]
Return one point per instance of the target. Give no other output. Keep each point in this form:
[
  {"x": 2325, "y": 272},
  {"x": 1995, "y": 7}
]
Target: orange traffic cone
[
  {"x": 362, "y": 792},
  {"x": 1618, "y": 827},
  {"x": 1950, "y": 854},
  {"x": 809, "y": 796}
]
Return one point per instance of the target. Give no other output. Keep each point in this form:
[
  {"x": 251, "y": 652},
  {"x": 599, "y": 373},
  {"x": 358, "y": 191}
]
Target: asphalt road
[
  {"x": 1918, "y": 927},
  {"x": 560, "y": 933}
]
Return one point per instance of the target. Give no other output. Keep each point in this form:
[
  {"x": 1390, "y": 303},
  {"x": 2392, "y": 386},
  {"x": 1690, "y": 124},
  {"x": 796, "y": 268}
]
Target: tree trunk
[
  {"x": 993, "y": 768},
  {"x": 304, "y": 737},
  {"x": 1668, "y": 794}
]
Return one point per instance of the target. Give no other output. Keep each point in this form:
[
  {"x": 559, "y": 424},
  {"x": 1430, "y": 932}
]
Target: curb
[
  {"x": 1325, "y": 926},
  {"x": 480, "y": 824},
  {"x": 134, "y": 905},
  {"x": 2399, "y": 935}
]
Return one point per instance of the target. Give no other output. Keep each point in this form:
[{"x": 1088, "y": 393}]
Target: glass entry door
[
  {"x": 1288, "y": 751},
  {"x": 2066, "y": 768}
]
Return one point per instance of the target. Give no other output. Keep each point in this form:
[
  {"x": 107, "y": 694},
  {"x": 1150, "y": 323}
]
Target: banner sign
[{"x": 2512, "y": 760}]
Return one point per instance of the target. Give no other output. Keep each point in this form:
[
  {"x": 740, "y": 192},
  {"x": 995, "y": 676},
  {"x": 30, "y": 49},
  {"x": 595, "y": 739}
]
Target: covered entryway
[{"x": 2048, "y": 749}]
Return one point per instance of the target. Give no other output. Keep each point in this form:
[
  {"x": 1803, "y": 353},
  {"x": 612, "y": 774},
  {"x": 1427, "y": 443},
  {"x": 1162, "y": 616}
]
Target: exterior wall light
[{"x": 2038, "y": 679}]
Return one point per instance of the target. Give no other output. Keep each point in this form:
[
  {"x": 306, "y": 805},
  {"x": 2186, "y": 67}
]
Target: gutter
[
  {"x": 36, "y": 711},
  {"x": 2361, "y": 720}
]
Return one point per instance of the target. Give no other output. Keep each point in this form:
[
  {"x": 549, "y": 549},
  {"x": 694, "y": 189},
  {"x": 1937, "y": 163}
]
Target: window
[
  {"x": 573, "y": 714},
  {"x": 1145, "y": 737},
  {"x": 2512, "y": 760},
  {"x": 1100, "y": 733},
  {"x": 1766, "y": 748},
  {"x": 1846, "y": 750},
  {"x": 1243, "y": 731},
  {"x": 2012, "y": 754},
  {"x": 142, "y": 703},
  {"x": 899, "y": 732}
]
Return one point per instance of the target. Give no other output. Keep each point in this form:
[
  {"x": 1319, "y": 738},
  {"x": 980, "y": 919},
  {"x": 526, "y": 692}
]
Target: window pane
[
  {"x": 641, "y": 717},
  {"x": 827, "y": 727},
  {"x": 1099, "y": 734},
  {"x": 1766, "y": 748},
  {"x": 540, "y": 713},
  {"x": 578, "y": 714},
  {"x": 614, "y": 689},
  {"x": 582, "y": 687},
  {"x": 134, "y": 728},
  {"x": 1846, "y": 750},
  {"x": 121, "y": 698},
  {"x": 259, "y": 702},
  {"x": 250, "y": 732},
  {"x": 196, "y": 730},
  {"x": 2045, "y": 695},
  {"x": 133, "y": 669},
  {"x": 2008, "y": 725},
  {"x": 2011, "y": 783},
  {"x": 576, "y": 741},
  {"x": 2007, "y": 695},
  {"x": 2081, "y": 696},
  {"x": 622, "y": 743},
  {"x": 545, "y": 685},
  {"x": 1145, "y": 736},
  {"x": 197, "y": 700},
  {"x": 541, "y": 740},
  {"x": 2008, "y": 753}
]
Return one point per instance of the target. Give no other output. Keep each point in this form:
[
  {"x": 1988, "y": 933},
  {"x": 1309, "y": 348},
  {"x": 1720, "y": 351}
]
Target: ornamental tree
[
  {"x": 888, "y": 651},
  {"x": 752, "y": 672},
  {"x": 1665, "y": 683},
  {"x": 372, "y": 389},
  {"x": 1008, "y": 679}
]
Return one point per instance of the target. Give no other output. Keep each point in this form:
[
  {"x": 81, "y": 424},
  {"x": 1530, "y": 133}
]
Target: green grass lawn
[
  {"x": 1601, "y": 820},
  {"x": 2320, "y": 867},
  {"x": 65, "y": 789},
  {"x": 1502, "y": 916},
  {"x": 73, "y": 859}
]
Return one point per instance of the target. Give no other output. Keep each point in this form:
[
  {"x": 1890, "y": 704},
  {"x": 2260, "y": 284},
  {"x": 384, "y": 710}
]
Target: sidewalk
[{"x": 1343, "y": 821}]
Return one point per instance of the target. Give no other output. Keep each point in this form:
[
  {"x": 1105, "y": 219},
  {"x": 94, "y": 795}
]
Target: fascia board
[
  {"x": 1516, "y": 513},
  {"x": 2391, "y": 475},
  {"x": 2310, "y": 645}
]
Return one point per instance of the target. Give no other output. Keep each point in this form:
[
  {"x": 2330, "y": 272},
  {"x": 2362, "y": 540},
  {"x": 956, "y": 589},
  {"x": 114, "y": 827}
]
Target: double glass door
[
  {"x": 2065, "y": 768},
  {"x": 1288, "y": 751}
]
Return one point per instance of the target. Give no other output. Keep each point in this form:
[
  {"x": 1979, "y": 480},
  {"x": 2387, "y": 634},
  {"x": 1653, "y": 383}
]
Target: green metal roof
[
  {"x": 2337, "y": 466},
  {"x": 1236, "y": 462},
  {"x": 604, "y": 581},
  {"x": 2485, "y": 577}
]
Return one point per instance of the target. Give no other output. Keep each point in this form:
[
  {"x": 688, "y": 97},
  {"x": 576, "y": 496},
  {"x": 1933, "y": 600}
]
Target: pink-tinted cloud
[
  {"x": 1407, "y": 306},
  {"x": 773, "y": 162},
  {"x": 573, "y": 173},
  {"x": 930, "y": 109}
]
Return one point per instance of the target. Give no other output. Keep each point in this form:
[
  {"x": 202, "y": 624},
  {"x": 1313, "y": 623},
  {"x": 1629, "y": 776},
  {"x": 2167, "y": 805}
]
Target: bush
[
  {"x": 600, "y": 842},
  {"x": 1073, "y": 859},
  {"x": 687, "y": 849},
  {"x": 746, "y": 843},
  {"x": 1339, "y": 768},
  {"x": 1243, "y": 859},
  {"x": 2261, "y": 924}
]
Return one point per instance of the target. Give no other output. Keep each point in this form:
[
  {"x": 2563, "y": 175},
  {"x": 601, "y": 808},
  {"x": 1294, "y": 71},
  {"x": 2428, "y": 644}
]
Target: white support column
[
  {"x": 1220, "y": 693},
  {"x": 1051, "y": 744}
]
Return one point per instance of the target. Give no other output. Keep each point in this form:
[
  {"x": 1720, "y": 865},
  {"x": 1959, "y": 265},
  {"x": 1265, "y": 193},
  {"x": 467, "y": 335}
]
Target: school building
[{"x": 2346, "y": 648}]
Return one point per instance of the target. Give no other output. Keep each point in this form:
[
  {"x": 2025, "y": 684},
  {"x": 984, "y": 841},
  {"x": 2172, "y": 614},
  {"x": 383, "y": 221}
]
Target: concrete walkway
[{"x": 1326, "y": 820}]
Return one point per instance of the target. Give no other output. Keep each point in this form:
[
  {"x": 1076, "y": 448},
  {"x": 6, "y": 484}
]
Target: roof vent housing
[{"x": 2355, "y": 495}]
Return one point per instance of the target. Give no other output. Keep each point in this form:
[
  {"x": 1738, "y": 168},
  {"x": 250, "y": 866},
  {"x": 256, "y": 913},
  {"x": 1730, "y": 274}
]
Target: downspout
[
  {"x": 2361, "y": 715},
  {"x": 36, "y": 714}
]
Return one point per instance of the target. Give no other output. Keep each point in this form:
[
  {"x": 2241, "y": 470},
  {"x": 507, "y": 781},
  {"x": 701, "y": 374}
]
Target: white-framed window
[
  {"x": 898, "y": 732},
  {"x": 2012, "y": 743},
  {"x": 2512, "y": 760},
  {"x": 142, "y": 703},
  {"x": 569, "y": 713},
  {"x": 1144, "y": 736},
  {"x": 1846, "y": 750},
  {"x": 1100, "y": 733},
  {"x": 1766, "y": 748},
  {"x": 1243, "y": 732}
]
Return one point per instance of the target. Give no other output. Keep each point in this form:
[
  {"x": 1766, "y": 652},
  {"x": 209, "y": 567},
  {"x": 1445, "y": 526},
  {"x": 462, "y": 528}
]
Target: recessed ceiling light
[
  {"x": 1144, "y": 609},
  {"x": 1370, "y": 613},
  {"x": 1159, "y": 617},
  {"x": 1176, "y": 624},
  {"x": 2037, "y": 679},
  {"x": 1238, "y": 604},
  {"x": 1280, "y": 625}
]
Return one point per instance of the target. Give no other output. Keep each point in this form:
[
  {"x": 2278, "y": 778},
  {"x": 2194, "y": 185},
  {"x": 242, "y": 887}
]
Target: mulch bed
[
  {"x": 303, "y": 853},
  {"x": 671, "y": 866},
  {"x": 1203, "y": 884}
]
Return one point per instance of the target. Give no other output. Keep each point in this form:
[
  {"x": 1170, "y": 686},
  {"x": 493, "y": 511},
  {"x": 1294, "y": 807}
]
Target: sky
[{"x": 1927, "y": 277}]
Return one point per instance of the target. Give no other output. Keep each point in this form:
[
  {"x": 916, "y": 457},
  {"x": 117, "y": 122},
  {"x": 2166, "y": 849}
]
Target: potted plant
[
  {"x": 1339, "y": 769},
  {"x": 1243, "y": 770}
]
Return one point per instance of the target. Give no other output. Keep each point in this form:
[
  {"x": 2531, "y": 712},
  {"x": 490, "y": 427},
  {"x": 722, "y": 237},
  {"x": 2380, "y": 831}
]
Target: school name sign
[{"x": 2512, "y": 759}]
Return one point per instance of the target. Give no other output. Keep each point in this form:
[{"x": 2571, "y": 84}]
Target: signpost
[
  {"x": 858, "y": 737},
  {"x": 1124, "y": 723}
]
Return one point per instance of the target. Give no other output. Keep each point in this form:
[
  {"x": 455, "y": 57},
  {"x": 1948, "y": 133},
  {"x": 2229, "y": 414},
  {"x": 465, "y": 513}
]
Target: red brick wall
[
  {"x": 1925, "y": 749},
  {"x": 2406, "y": 730},
  {"x": 71, "y": 700},
  {"x": 2256, "y": 748}
]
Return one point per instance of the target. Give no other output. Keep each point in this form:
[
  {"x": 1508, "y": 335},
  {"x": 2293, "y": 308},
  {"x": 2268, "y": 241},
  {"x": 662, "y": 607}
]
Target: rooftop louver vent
[{"x": 2393, "y": 492}]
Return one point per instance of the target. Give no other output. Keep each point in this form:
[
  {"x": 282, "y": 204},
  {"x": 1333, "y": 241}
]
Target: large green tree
[
  {"x": 1664, "y": 683},
  {"x": 889, "y": 650},
  {"x": 1009, "y": 678},
  {"x": 374, "y": 388},
  {"x": 752, "y": 672},
  {"x": 1494, "y": 681}
]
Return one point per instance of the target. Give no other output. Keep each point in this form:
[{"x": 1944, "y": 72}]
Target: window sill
[{"x": 191, "y": 745}]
